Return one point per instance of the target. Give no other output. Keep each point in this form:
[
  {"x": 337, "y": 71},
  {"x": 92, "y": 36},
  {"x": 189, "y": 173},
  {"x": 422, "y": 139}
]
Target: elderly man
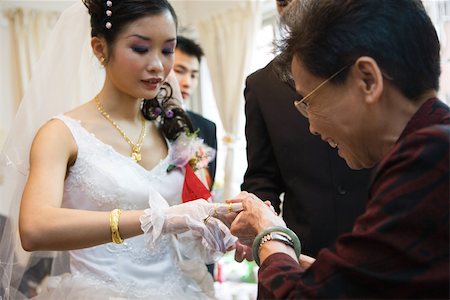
[{"x": 369, "y": 87}]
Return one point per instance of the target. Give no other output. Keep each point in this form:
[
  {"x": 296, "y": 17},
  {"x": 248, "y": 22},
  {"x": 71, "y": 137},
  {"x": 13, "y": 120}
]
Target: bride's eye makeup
[
  {"x": 139, "y": 43},
  {"x": 169, "y": 47},
  {"x": 140, "y": 49},
  {"x": 168, "y": 51}
]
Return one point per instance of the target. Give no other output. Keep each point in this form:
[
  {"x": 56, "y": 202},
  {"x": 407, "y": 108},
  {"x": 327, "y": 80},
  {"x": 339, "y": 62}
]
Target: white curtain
[
  {"x": 228, "y": 40},
  {"x": 29, "y": 30}
]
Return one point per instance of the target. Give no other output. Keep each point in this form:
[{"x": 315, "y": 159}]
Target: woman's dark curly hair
[
  {"x": 172, "y": 118},
  {"x": 166, "y": 110}
]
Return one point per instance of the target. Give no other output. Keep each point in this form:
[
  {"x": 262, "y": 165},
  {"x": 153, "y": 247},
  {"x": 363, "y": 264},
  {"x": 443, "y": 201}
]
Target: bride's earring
[{"x": 102, "y": 61}]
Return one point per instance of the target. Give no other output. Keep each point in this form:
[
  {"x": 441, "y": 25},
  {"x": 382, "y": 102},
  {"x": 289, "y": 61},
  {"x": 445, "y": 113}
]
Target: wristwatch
[
  {"x": 276, "y": 233},
  {"x": 277, "y": 236}
]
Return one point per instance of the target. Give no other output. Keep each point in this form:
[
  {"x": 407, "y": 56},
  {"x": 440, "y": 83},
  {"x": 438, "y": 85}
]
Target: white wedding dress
[{"x": 101, "y": 179}]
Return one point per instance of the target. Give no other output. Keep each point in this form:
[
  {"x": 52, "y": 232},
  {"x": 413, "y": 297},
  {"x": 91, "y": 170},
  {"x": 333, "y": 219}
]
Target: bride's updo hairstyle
[{"x": 108, "y": 19}]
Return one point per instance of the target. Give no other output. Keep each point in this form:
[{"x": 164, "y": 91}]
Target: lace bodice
[{"x": 102, "y": 179}]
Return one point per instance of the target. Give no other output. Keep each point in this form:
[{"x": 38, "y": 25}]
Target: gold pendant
[{"x": 136, "y": 156}]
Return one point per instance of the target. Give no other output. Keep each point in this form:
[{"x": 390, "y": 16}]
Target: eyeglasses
[
  {"x": 283, "y": 2},
  {"x": 302, "y": 106}
]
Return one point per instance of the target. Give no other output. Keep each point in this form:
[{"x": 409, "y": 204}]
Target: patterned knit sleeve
[{"x": 399, "y": 248}]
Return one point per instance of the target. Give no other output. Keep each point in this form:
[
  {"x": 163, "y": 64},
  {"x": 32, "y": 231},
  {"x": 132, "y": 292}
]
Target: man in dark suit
[
  {"x": 322, "y": 196},
  {"x": 186, "y": 66}
]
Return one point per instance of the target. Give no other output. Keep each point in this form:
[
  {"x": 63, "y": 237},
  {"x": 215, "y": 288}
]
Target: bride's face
[{"x": 142, "y": 56}]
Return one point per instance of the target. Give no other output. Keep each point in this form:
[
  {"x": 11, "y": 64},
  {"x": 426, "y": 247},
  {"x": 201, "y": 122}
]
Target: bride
[{"x": 105, "y": 180}]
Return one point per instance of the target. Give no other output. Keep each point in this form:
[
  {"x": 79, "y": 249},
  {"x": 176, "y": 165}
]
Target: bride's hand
[
  {"x": 228, "y": 211},
  {"x": 191, "y": 215},
  {"x": 197, "y": 215}
]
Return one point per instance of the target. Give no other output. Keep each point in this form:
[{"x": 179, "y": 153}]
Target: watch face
[{"x": 277, "y": 236}]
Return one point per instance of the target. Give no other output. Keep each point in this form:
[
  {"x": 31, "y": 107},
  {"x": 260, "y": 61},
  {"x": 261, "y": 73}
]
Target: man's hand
[{"x": 242, "y": 252}]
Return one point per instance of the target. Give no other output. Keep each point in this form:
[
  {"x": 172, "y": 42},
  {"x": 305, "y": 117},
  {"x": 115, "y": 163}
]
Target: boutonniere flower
[
  {"x": 188, "y": 148},
  {"x": 189, "y": 152}
]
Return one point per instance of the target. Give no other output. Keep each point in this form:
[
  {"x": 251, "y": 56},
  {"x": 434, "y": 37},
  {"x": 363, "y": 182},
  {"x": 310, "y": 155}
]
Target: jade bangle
[{"x": 294, "y": 238}]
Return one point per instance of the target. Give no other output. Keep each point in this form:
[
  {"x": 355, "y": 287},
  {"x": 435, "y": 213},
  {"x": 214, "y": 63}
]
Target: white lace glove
[
  {"x": 200, "y": 236},
  {"x": 187, "y": 216}
]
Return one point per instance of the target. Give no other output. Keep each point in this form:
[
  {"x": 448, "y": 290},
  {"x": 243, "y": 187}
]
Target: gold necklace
[{"x": 135, "y": 147}]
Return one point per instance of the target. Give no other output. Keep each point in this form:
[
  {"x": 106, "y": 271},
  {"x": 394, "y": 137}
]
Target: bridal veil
[{"x": 66, "y": 75}]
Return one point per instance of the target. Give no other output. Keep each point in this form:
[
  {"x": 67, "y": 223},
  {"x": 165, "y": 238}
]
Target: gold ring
[
  {"x": 230, "y": 207},
  {"x": 205, "y": 220}
]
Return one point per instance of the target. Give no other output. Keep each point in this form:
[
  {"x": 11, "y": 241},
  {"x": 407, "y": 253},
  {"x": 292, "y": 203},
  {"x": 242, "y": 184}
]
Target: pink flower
[{"x": 189, "y": 148}]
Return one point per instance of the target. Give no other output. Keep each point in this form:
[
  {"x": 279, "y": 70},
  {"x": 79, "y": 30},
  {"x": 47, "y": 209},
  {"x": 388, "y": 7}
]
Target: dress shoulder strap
[{"x": 78, "y": 132}]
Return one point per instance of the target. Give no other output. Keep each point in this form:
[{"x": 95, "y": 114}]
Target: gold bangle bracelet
[{"x": 114, "y": 217}]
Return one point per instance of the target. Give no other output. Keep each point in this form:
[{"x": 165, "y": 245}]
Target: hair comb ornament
[
  {"x": 108, "y": 13},
  {"x": 169, "y": 114}
]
